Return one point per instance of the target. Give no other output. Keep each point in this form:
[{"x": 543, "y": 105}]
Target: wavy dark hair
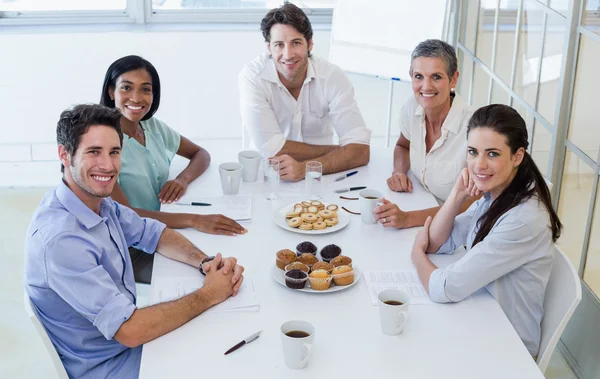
[
  {"x": 528, "y": 180},
  {"x": 126, "y": 64},
  {"x": 287, "y": 14},
  {"x": 75, "y": 122}
]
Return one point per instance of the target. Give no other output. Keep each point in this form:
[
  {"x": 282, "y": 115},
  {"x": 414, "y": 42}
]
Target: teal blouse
[{"x": 145, "y": 169}]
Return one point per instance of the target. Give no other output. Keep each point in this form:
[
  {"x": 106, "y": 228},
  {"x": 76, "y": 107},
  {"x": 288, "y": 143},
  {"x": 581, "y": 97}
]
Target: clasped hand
[
  {"x": 290, "y": 169},
  {"x": 223, "y": 276}
]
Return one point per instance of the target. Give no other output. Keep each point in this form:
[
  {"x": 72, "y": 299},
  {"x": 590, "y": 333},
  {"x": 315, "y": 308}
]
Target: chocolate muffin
[
  {"x": 296, "y": 279},
  {"x": 306, "y": 247},
  {"x": 330, "y": 251}
]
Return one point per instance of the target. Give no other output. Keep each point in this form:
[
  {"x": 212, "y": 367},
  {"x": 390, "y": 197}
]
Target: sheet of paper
[
  {"x": 238, "y": 208},
  {"x": 169, "y": 288},
  {"x": 407, "y": 280}
]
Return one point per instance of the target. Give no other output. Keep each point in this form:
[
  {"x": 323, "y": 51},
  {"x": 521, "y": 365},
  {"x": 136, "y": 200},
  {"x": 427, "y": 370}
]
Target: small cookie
[
  {"x": 306, "y": 204},
  {"x": 306, "y": 226},
  {"x": 313, "y": 209},
  {"x": 309, "y": 217},
  {"x": 319, "y": 225},
  {"x": 298, "y": 208},
  {"x": 331, "y": 221},
  {"x": 332, "y": 207},
  {"x": 295, "y": 222},
  {"x": 292, "y": 214},
  {"x": 316, "y": 203},
  {"x": 327, "y": 214}
]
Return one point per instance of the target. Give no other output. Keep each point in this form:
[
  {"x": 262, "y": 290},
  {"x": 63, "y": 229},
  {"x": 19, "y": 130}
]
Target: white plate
[
  {"x": 279, "y": 219},
  {"x": 279, "y": 277}
]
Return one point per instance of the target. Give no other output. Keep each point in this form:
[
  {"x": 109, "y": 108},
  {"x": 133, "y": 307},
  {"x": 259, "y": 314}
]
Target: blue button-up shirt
[
  {"x": 513, "y": 263},
  {"x": 79, "y": 277}
]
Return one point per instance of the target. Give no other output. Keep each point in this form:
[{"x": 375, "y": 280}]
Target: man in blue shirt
[{"x": 78, "y": 273}]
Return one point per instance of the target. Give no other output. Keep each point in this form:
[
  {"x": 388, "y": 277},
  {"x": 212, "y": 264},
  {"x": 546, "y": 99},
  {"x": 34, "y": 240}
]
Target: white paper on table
[
  {"x": 407, "y": 280},
  {"x": 172, "y": 287},
  {"x": 238, "y": 208}
]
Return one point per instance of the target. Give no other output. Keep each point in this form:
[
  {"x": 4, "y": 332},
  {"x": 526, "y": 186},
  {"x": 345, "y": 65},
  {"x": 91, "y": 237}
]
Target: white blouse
[{"x": 438, "y": 169}]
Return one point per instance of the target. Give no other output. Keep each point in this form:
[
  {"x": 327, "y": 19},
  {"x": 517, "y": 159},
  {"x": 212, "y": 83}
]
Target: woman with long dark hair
[
  {"x": 132, "y": 85},
  {"x": 509, "y": 233}
]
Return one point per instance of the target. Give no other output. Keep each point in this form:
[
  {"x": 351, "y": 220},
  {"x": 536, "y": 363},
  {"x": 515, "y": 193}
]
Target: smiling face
[
  {"x": 92, "y": 170},
  {"x": 430, "y": 82},
  {"x": 490, "y": 161},
  {"x": 133, "y": 94},
  {"x": 289, "y": 50}
]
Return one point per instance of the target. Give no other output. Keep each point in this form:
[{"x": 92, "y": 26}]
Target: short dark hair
[
  {"x": 126, "y": 64},
  {"x": 75, "y": 122},
  {"x": 287, "y": 14},
  {"x": 435, "y": 48}
]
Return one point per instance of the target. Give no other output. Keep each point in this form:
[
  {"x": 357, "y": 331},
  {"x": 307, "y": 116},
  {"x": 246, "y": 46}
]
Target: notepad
[
  {"x": 406, "y": 280},
  {"x": 238, "y": 208},
  {"x": 169, "y": 288}
]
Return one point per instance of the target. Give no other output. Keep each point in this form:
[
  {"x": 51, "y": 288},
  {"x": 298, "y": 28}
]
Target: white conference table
[{"x": 470, "y": 339}]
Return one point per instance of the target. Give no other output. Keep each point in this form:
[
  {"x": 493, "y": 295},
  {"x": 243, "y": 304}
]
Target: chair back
[
  {"x": 563, "y": 295},
  {"x": 41, "y": 331}
]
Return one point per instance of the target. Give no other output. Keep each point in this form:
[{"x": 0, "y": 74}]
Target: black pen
[
  {"x": 193, "y": 203},
  {"x": 349, "y": 189},
  {"x": 244, "y": 342}
]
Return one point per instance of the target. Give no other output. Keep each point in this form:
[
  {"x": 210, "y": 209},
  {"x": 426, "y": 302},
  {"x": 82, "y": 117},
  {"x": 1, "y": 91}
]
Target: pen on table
[
  {"x": 195, "y": 203},
  {"x": 349, "y": 189},
  {"x": 344, "y": 176},
  {"x": 244, "y": 342}
]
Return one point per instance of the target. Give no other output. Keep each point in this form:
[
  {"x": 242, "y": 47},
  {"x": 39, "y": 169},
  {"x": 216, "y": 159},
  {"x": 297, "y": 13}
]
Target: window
[{"x": 61, "y": 5}]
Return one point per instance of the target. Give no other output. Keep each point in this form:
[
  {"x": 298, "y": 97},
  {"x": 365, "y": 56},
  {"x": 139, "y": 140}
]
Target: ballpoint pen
[
  {"x": 349, "y": 189},
  {"x": 195, "y": 203},
  {"x": 344, "y": 176},
  {"x": 245, "y": 341}
]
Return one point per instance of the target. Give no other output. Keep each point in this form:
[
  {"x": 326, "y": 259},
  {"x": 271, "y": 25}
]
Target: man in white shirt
[{"x": 291, "y": 102}]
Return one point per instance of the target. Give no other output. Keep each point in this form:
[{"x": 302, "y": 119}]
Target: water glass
[
  {"x": 314, "y": 185},
  {"x": 271, "y": 175}
]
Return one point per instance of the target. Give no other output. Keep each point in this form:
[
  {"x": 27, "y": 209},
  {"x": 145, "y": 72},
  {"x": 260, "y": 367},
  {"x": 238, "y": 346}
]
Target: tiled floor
[{"x": 22, "y": 354}]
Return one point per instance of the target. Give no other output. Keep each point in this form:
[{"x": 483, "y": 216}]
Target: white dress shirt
[
  {"x": 271, "y": 115},
  {"x": 513, "y": 262},
  {"x": 437, "y": 170}
]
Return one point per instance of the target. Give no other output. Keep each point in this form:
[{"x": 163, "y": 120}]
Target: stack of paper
[
  {"x": 238, "y": 208},
  {"x": 167, "y": 288},
  {"x": 407, "y": 280}
]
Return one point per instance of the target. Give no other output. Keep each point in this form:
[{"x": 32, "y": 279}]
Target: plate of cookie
[{"x": 311, "y": 217}]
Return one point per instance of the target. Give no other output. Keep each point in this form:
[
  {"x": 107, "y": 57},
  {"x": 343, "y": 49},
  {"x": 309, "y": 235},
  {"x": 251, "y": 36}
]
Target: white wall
[{"x": 41, "y": 74}]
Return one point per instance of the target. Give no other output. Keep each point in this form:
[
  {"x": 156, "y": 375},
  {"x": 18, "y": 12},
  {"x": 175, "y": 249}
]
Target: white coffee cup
[
  {"x": 250, "y": 159},
  {"x": 231, "y": 174},
  {"x": 369, "y": 199},
  {"x": 392, "y": 315},
  {"x": 297, "y": 350}
]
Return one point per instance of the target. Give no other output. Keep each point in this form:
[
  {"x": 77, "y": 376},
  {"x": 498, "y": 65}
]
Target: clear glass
[
  {"x": 499, "y": 95},
  {"x": 540, "y": 148},
  {"x": 215, "y": 4},
  {"x": 481, "y": 85},
  {"x": 530, "y": 49},
  {"x": 573, "y": 205},
  {"x": 591, "y": 16},
  {"x": 61, "y": 5},
  {"x": 485, "y": 32},
  {"x": 591, "y": 274},
  {"x": 551, "y": 67},
  {"x": 470, "y": 27},
  {"x": 583, "y": 126},
  {"x": 314, "y": 184},
  {"x": 271, "y": 176}
]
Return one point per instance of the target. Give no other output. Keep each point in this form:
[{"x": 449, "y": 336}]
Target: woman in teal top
[{"x": 132, "y": 84}]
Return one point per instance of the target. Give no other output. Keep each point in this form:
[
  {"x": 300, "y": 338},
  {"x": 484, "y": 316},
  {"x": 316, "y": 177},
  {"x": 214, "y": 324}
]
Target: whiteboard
[{"x": 376, "y": 37}]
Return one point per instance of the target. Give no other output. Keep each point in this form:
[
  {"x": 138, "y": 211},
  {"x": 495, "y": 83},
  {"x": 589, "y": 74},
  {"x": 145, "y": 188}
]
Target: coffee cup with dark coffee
[
  {"x": 369, "y": 199},
  {"x": 393, "y": 311},
  {"x": 297, "y": 339}
]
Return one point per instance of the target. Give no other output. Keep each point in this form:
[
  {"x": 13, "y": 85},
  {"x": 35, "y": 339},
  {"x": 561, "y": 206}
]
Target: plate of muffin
[
  {"x": 303, "y": 271},
  {"x": 311, "y": 217}
]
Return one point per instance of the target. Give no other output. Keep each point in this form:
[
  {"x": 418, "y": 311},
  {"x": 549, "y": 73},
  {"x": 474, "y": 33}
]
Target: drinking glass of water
[
  {"x": 271, "y": 175},
  {"x": 314, "y": 185}
]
